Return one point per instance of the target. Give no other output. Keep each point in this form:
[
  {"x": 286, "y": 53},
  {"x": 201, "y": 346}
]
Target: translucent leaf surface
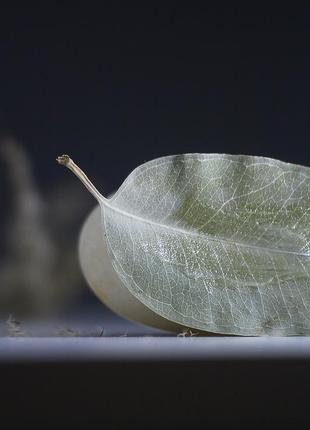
[{"x": 216, "y": 242}]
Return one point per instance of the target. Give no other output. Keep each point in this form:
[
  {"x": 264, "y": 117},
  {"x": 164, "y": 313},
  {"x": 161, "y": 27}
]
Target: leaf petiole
[{"x": 66, "y": 161}]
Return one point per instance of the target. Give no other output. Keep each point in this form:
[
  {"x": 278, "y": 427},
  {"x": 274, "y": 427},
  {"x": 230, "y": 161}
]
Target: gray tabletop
[{"x": 147, "y": 347}]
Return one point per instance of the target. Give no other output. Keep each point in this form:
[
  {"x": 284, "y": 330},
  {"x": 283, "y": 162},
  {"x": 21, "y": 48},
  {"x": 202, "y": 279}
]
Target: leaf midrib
[{"x": 204, "y": 235}]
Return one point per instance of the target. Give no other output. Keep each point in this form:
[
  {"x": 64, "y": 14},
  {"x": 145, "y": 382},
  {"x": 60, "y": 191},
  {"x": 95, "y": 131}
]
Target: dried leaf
[{"x": 219, "y": 243}]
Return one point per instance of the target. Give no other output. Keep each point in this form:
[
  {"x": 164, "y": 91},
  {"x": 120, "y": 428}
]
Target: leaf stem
[{"x": 65, "y": 160}]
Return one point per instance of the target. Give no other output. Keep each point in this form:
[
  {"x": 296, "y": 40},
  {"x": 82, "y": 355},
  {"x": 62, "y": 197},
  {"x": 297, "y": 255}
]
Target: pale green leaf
[
  {"x": 215, "y": 242},
  {"x": 220, "y": 243}
]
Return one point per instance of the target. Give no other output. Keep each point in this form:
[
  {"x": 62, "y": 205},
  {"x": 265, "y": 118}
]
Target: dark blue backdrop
[{"x": 117, "y": 85}]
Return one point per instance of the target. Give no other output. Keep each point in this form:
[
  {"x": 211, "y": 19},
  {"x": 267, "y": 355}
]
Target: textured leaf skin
[{"x": 216, "y": 242}]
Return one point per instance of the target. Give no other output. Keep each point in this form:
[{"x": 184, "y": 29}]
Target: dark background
[{"x": 117, "y": 85}]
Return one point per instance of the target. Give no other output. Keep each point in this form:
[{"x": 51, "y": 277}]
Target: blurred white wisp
[{"x": 39, "y": 270}]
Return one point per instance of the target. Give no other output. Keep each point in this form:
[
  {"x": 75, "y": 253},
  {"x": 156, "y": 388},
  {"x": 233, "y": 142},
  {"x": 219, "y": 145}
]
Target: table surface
[
  {"x": 95, "y": 336},
  {"x": 150, "y": 348},
  {"x": 104, "y": 371}
]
